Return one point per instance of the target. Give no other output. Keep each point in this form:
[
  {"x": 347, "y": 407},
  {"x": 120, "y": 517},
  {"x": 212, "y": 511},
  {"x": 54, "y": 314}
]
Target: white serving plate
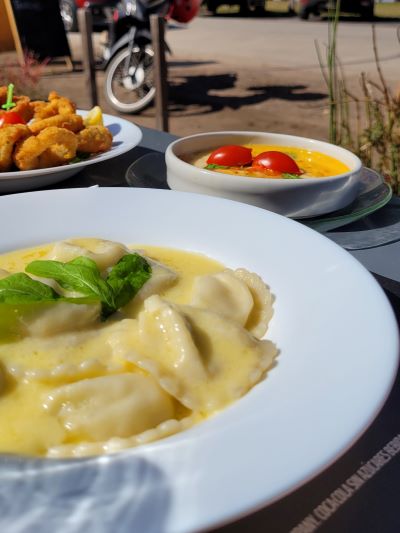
[
  {"x": 125, "y": 137},
  {"x": 338, "y": 343}
]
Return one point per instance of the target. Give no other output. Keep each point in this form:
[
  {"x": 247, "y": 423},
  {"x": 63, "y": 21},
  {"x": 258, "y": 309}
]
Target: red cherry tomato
[
  {"x": 230, "y": 156},
  {"x": 10, "y": 117},
  {"x": 278, "y": 162}
]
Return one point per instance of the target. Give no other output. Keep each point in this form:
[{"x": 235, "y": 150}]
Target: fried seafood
[
  {"x": 57, "y": 105},
  {"x": 51, "y": 147},
  {"x": 54, "y": 134},
  {"x": 72, "y": 123},
  {"x": 94, "y": 139},
  {"x": 9, "y": 137}
]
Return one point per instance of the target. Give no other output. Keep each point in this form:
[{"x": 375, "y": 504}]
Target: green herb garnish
[
  {"x": 288, "y": 176},
  {"x": 212, "y": 166},
  {"x": 127, "y": 277},
  {"x": 80, "y": 275},
  {"x": 19, "y": 287},
  {"x": 80, "y": 156},
  {"x": 83, "y": 276}
]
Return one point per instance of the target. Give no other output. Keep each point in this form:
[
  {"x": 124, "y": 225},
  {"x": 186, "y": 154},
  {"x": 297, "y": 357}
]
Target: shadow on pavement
[{"x": 202, "y": 91}]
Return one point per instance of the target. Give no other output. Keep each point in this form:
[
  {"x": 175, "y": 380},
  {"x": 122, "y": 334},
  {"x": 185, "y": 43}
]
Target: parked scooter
[{"x": 129, "y": 80}]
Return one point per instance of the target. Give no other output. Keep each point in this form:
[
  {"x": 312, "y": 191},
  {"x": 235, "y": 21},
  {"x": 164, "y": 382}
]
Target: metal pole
[
  {"x": 85, "y": 25},
  {"x": 157, "y": 25}
]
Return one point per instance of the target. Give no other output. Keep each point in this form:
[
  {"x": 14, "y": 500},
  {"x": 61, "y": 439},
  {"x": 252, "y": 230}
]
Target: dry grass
[
  {"x": 26, "y": 77},
  {"x": 368, "y": 123}
]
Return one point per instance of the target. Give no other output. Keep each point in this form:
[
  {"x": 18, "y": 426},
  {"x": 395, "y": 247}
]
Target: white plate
[
  {"x": 338, "y": 357},
  {"x": 125, "y": 137}
]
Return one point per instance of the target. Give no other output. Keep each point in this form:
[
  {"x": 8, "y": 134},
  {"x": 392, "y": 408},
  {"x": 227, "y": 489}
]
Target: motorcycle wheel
[{"x": 133, "y": 92}]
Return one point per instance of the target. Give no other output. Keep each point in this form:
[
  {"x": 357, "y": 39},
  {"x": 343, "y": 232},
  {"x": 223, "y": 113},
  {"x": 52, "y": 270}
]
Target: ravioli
[
  {"x": 76, "y": 382},
  {"x": 200, "y": 357},
  {"x": 117, "y": 405}
]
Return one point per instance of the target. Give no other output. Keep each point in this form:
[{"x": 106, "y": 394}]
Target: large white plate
[
  {"x": 125, "y": 137},
  {"x": 338, "y": 345}
]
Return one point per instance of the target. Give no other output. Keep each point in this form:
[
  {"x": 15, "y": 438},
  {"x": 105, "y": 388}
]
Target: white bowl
[{"x": 300, "y": 198}]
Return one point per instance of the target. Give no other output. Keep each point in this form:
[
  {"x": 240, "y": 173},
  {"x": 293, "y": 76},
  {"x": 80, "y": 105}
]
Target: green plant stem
[{"x": 332, "y": 74}]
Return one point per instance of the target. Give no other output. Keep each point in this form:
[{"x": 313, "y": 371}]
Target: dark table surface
[{"x": 359, "y": 492}]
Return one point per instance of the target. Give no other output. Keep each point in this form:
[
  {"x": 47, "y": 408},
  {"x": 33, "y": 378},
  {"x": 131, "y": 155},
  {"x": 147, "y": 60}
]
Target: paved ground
[{"x": 248, "y": 73}]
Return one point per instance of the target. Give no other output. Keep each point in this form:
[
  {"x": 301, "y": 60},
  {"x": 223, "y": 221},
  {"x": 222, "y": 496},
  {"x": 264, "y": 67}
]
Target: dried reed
[
  {"x": 368, "y": 124},
  {"x": 26, "y": 77}
]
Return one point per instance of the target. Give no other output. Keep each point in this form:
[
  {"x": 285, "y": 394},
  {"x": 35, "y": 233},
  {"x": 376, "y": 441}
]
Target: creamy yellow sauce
[
  {"x": 36, "y": 413},
  {"x": 313, "y": 164}
]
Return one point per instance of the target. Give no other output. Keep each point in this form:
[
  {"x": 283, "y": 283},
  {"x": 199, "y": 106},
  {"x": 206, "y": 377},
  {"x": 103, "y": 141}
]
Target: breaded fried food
[
  {"x": 23, "y": 107},
  {"x": 69, "y": 122},
  {"x": 9, "y": 136},
  {"x": 94, "y": 139},
  {"x": 51, "y": 147},
  {"x": 57, "y": 105}
]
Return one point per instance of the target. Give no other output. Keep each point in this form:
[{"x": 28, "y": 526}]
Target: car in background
[
  {"x": 246, "y": 7},
  {"x": 305, "y": 8},
  {"x": 100, "y": 11}
]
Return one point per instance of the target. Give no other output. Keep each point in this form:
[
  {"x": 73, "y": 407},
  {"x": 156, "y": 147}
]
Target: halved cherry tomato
[
  {"x": 10, "y": 117},
  {"x": 231, "y": 155},
  {"x": 278, "y": 162}
]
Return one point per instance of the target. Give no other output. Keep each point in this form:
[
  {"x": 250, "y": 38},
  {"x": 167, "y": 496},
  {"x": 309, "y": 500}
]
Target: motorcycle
[{"x": 129, "y": 54}]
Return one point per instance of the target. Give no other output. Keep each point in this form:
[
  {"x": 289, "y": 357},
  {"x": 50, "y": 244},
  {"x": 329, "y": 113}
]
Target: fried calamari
[
  {"x": 57, "y": 105},
  {"x": 51, "y": 147},
  {"x": 72, "y": 123},
  {"x": 9, "y": 137}
]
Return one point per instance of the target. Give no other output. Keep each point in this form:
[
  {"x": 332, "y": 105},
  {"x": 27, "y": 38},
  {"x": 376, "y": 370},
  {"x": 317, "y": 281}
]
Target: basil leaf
[
  {"x": 80, "y": 275},
  {"x": 127, "y": 277},
  {"x": 288, "y": 176},
  {"x": 19, "y": 288},
  {"x": 212, "y": 166},
  {"x": 80, "y": 156}
]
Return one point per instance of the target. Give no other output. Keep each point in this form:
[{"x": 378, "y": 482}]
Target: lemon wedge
[{"x": 94, "y": 117}]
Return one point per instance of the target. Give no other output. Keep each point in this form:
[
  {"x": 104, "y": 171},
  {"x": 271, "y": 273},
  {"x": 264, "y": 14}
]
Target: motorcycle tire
[{"x": 134, "y": 92}]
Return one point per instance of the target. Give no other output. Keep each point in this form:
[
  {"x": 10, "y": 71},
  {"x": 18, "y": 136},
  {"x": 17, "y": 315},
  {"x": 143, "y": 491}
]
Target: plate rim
[{"x": 342, "y": 220}]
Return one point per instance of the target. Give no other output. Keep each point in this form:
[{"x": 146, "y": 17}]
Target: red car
[{"x": 100, "y": 10}]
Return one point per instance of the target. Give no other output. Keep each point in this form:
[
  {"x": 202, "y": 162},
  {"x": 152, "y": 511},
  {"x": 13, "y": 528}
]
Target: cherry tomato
[
  {"x": 231, "y": 155},
  {"x": 278, "y": 162},
  {"x": 10, "y": 117}
]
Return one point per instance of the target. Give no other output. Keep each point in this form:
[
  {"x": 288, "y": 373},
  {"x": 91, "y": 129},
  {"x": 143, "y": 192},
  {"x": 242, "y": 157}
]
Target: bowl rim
[{"x": 233, "y": 178}]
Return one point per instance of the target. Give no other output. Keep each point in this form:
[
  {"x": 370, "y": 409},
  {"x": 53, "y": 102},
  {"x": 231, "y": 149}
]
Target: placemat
[{"x": 359, "y": 492}]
